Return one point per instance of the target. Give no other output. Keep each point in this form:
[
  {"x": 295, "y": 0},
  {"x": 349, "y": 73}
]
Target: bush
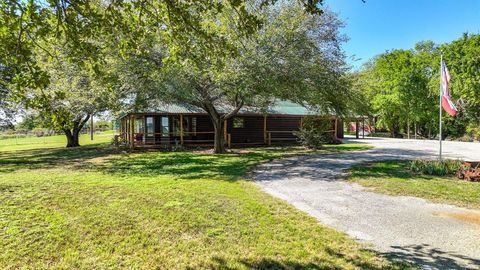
[
  {"x": 435, "y": 167},
  {"x": 315, "y": 132}
]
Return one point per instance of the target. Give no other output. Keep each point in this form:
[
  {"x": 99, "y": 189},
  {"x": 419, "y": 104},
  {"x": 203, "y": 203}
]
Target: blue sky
[{"x": 379, "y": 25}]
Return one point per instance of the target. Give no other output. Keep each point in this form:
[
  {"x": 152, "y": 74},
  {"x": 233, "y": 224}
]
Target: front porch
[{"x": 166, "y": 130}]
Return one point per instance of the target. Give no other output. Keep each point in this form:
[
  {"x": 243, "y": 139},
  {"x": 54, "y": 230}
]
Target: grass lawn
[
  {"x": 394, "y": 178},
  {"x": 31, "y": 142},
  {"x": 93, "y": 208}
]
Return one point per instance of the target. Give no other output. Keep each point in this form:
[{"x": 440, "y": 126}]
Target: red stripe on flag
[{"x": 447, "y": 107}]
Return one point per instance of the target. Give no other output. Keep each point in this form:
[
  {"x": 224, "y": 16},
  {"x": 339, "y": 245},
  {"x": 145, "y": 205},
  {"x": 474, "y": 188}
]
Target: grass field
[
  {"x": 33, "y": 142},
  {"x": 94, "y": 208},
  {"x": 394, "y": 178}
]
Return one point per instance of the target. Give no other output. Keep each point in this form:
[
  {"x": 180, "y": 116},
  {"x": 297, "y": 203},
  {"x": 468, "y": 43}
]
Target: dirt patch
[{"x": 466, "y": 217}]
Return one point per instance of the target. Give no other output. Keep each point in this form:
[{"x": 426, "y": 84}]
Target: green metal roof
[
  {"x": 278, "y": 107},
  {"x": 288, "y": 107}
]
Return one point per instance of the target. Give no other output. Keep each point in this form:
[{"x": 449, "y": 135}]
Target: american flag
[{"x": 447, "y": 103}]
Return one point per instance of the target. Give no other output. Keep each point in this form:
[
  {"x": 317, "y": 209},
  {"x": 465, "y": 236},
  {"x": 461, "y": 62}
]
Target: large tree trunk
[
  {"x": 73, "y": 134},
  {"x": 72, "y": 138},
  {"x": 218, "y": 122},
  {"x": 219, "y": 140}
]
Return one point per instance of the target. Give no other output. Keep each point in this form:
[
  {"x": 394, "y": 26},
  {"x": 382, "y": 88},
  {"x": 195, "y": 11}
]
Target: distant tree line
[{"x": 401, "y": 87}]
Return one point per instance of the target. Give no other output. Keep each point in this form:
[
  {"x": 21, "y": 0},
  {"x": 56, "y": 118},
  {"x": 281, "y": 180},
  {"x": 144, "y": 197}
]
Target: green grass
[
  {"x": 96, "y": 208},
  {"x": 31, "y": 142},
  {"x": 395, "y": 178}
]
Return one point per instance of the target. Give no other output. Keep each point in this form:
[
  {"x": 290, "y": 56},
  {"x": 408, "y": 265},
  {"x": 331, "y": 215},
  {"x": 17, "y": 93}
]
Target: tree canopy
[
  {"x": 295, "y": 56},
  {"x": 403, "y": 86},
  {"x": 78, "y": 39}
]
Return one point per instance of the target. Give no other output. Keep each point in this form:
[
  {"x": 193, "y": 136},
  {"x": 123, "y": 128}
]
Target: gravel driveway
[{"x": 402, "y": 227}]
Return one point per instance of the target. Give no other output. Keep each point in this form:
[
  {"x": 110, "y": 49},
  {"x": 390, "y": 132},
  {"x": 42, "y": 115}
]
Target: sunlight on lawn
[
  {"x": 96, "y": 208},
  {"x": 394, "y": 178},
  {"x": 13, "y": 144}
]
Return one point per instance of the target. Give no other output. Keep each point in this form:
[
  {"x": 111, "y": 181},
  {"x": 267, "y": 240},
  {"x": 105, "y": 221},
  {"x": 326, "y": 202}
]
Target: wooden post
[
  {"x": 144, "y": 139},
  {"x": 121, "y": 127},
  {"x": 229, "y": 140},
  {"x": 269, "y": 138},
  {"x": 91, "y": 127},
  {"x": 132, "y": 131},
  {"x": 225, "y": 131},
  {"x": 127, "y": 129},
  {"x": 265, "y": 129},
  {"x": 181, "y": 129},
  {"x": 336, "y": 127}
]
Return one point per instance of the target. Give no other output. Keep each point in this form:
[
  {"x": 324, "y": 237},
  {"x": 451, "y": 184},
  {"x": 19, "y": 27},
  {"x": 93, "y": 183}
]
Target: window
[
  {"x": 165, "y": 127},
  {"x": 238, "y": 122},
  {"x": 150, "y": 126}
]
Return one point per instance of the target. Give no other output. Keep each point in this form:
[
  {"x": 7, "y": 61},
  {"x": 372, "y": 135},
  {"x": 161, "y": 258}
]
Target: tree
[
  {"x": 463, "y": 61},
  {"x": 295, "y": 55},
  {"x": 120, "y": 23},
  {"x": 87, "y": 29},
  {"x": 397, "y": 84},
  {"x": 404, "y": 86},
  {"x": 72, "y": 96}
]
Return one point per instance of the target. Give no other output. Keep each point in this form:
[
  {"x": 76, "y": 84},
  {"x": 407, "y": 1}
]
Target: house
[{"x": 167, "y": 125}]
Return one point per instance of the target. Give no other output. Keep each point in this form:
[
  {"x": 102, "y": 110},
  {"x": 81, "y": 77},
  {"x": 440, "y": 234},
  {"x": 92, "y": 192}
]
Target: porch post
[
  {"x": 265, "y": 129},
  {"x": 181, "y": 129},
  {"x": 225, "y": 131},
  {"x": 336, "y": 128},
  {"x": 144, "y": 137},
  {"x": 132, "y": 131},
  {"x": 127, "y": 128},
  {"x": 121, "y": 128}
]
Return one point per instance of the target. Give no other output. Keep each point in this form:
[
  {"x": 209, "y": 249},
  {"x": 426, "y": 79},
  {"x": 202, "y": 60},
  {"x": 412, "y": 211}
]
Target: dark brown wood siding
[
  {"x": 281, "y": 127},
  {"x": 251, "y": 132}
]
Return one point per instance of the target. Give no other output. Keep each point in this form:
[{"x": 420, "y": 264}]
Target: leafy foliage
[
  {"x": 294, "y": 56},
  {"x": 403, "y": 87},
  {"x": 192, "y": 38},
  {"x": 435, "y": 167},
  {"x": 315, "y": 132}
]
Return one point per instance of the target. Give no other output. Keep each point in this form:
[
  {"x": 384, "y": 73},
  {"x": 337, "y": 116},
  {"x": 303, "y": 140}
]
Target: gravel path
[{"x": 408, "y": 228}]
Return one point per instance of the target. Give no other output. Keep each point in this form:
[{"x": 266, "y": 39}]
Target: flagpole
[{"x": 440, "y": 111}]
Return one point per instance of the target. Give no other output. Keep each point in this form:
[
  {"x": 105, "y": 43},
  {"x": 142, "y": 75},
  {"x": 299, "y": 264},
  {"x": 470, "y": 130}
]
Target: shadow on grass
[
  {"x": 183, "y": 165},
  {"x": 47, "y": 158},
  {"x": 427, "y": 257},
  {"x": 391, "y": 168},
  {"x": 328, "y": 263},
  {"x": 176, "y": 165}
]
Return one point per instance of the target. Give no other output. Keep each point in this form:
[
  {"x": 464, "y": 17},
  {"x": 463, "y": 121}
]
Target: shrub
[
  {"x": 315, "y": 132},
  {"x": 435, "y": 167}
]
